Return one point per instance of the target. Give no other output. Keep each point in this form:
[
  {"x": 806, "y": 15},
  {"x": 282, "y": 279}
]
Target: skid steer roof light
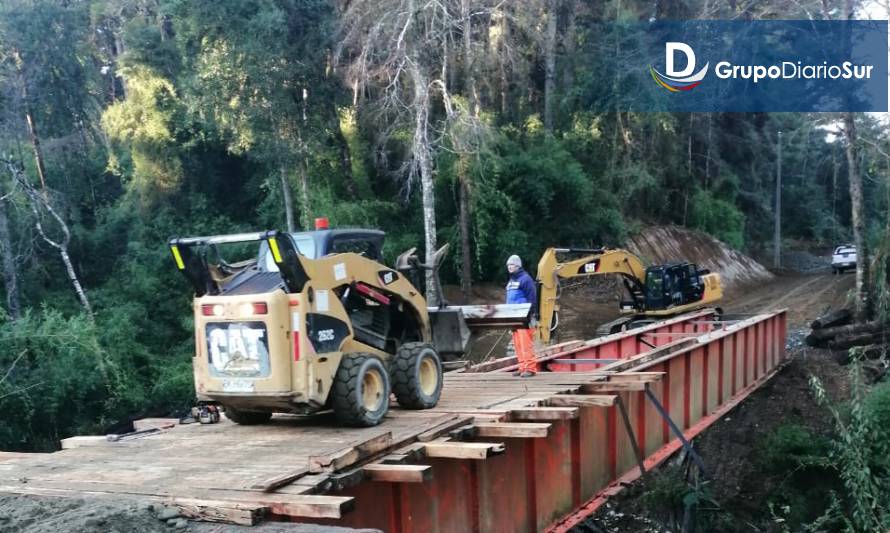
[{"x": 321, "y": 223}]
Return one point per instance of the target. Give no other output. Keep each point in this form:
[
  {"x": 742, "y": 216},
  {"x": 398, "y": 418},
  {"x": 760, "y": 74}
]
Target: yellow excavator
[{"x": 656, "y": 292}]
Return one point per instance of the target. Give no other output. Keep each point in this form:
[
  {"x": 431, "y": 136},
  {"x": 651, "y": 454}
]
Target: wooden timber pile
[{"x": 837, "y": 332}]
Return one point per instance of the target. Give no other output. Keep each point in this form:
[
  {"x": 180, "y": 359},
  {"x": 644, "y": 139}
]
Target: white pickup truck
[{"x": 844, "y": 257}]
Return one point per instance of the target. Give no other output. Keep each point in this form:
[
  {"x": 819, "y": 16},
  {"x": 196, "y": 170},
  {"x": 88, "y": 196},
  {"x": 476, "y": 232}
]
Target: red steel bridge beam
[{"x": 552, "y": 483}]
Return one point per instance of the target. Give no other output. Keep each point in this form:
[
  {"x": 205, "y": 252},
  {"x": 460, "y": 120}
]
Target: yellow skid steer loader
[{"x": 315, "y": 321}]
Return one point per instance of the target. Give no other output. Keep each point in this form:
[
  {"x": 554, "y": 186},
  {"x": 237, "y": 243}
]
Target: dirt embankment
[
  {"x": 665, "y": 244},
  {"x": 588, "y": 302}
]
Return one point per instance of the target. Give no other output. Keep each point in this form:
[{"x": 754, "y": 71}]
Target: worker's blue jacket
[{"x": 521, "y": 289}]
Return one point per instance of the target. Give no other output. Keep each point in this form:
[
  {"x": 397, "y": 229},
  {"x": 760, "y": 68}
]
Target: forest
[{"x": 468, "y": 122}]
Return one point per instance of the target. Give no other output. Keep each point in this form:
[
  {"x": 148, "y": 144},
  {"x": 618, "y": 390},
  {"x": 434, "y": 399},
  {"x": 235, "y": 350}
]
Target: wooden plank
[
  {"x": 86, "y": 440},
  {"x": 350, "y": 455},
  {"x": 347, "y": 479},
  {"x": 632, "y": 375},
  {"x": 197, "y": 509},
  {"x": 463, "y": 450},
  {"x": 435, "y": 432},
  {"x": 500, "y": 414},
  {"x": 150, "y": 423},
  {"x": 395, "y": 458},
  {"x": 545, "y": 413},
  {"x": 272, "y": 483},
  {"x": 220, "y": 511},
  {"x": 594, "y": 388},
  {"x": 306, "y": 506},
  {"x": 291, "y": 505},
  {"x": 465, "y": 432},
  {"x": 581, "y": 400},
  {"x": 413, "y": 452},
  {"x": 512, "y": 429},
  {"x": 399, "y": 473}
]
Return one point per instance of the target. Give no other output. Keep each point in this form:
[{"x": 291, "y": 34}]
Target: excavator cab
[
  {"x": 654, "y": 292},
  {"x": 672, "y": 285}
]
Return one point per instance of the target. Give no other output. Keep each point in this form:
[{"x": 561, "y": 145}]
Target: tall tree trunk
[
  {"x": 305, "y": 207},
  {"x": 469, "y": 77},
  {"x": 29, "y": 119},
  {"x": 568, "y": 69},
  {"x": 503, "y": 82},
  {"x": 708, "y": 153},
  {"x": 550, "y": 65},
  {"x": 10, "y": 277},
  {"x": 75, "y": 281},
  {"x": 119, "y": 51},
  {"x": 863, "y": 301},
  {"x": 345, "y": 159},
  {"x": 423, "y": 161},
  {"x": 463, "y": 163},
  {"x": 466, "y": 252},
  {"x": 288, "y": 199}
]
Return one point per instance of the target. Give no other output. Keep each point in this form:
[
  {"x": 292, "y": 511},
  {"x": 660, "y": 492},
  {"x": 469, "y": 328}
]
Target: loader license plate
[{"x": 238, "y": 385}]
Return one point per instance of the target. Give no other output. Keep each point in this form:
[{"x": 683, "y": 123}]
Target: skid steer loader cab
[{"x": 308, "y": 321}]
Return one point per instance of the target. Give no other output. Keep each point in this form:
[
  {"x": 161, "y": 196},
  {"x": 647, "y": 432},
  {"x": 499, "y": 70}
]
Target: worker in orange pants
[
  {"x": 524, "y": 344},
  {"x": 521, "y": 290}
]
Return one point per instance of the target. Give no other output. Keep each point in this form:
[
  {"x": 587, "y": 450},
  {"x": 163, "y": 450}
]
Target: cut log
[
  {"x": 816, "y": 342},
  {"x": 859, "y": 339},
  {"x": 870, "y": 351},
  {"x": 866, "y": 327},
  {"x": 840, "y": 317}
]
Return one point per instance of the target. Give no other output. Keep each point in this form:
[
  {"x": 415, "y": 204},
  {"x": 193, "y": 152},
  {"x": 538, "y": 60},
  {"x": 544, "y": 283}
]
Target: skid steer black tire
[
  {"x": 416, "y": 375},
  {"x": 360, "y": 393},
  {"x": 247, "y": 418}
]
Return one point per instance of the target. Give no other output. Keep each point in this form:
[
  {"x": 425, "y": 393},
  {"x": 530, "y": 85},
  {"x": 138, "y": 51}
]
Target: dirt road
[
  {"x": 805, "y": 296},
  {"x": 587, "y": 305}
]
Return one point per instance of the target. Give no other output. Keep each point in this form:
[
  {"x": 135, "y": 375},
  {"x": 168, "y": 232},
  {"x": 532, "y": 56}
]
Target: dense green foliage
[{"x": 168, "y": 117}]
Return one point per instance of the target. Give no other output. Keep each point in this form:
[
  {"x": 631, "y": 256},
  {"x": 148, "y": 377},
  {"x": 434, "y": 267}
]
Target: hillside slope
[{"x": 663, "y": 244}]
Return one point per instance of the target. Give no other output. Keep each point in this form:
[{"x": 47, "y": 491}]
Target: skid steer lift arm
[{"x": 190, "y": 255}]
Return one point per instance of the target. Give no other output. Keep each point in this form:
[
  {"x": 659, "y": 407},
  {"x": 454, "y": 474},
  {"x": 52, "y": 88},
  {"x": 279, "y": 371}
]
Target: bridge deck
[{"x": 543, "y": 445}]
